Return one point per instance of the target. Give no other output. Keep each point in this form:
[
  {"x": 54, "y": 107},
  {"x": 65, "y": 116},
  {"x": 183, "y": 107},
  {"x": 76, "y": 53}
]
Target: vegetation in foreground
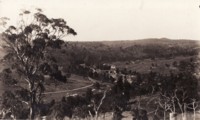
[{"x": 152, "y": 79}]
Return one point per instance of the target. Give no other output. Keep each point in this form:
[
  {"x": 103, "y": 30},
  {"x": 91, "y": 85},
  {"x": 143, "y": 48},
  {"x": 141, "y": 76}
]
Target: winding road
[{"x": 63, "y": 91}]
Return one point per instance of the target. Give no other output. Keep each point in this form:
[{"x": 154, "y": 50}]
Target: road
[{"x": 64, "y": 91}]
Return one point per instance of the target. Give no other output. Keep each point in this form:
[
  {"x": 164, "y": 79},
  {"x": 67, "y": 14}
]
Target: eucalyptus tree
[{"x": 27, "y": 45}]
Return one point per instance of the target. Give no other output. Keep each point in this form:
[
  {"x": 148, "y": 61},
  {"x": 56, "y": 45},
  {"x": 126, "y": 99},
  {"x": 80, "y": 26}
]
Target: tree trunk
[
  {"x": 185, "y": 112},
  {"x": 32, "y": 105},
  {"x": 31, "y": 113},
  {"x": 96, "y": 115},
  {"x": 194, "y": 115},
  {"x": 164, "y": 115}
]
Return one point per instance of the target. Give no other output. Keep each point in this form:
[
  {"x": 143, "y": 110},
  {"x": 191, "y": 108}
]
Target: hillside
[
  {"x": 155, "y": 41},
  {"x": 128, "y": 43},
  {"x": 143, "y": 66},
  {"x": 113, "y": 51},
  {"x": 93, "y": 53}
]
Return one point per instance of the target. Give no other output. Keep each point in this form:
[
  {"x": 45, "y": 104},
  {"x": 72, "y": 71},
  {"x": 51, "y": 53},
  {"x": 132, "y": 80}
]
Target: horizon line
[{"x": 162, "y": 38}]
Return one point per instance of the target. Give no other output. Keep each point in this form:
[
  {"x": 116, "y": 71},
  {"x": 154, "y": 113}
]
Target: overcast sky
[{"x": 118, "y": 19}]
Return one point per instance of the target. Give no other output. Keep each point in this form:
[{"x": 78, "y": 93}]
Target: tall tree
[{"x": 27, "y": 46}]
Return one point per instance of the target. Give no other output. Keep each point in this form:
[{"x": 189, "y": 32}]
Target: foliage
[
  {"x": 102, "y": 52},
  {"x": 27, "y": 45},
  {"x": 11, "y": 104}
]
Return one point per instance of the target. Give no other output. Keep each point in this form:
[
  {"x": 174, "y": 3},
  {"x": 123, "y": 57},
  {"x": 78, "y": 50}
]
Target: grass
[
  {"x": 145, "y": 66},
  {"x": 74, "y": 82}
]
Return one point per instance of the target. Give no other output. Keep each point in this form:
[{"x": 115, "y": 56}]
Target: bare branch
[{"x": 101, "y": 102}]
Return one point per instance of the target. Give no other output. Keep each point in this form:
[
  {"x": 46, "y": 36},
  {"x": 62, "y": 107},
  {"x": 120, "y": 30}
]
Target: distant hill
[
  {"x": 73, "y": 53},
  {"x": 128, "y": 43},
  {"x": 111, "y": 51}
]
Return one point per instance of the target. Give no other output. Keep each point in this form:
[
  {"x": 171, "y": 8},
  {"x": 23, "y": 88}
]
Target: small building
[{"x": 112, "y": 67}]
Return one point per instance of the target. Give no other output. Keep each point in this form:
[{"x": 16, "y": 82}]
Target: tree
[
  {"x": 27, "y": 46},
  {"x": 97, "y": 104},
  {"x": 6, "y": 77},
  {"x": 167, "y": 104},
  {"x": 61, "y": 109},
  {"x": 193, "y": 106},
  {"x": 11, "y": 104},
  {"x": 177, "y": 92}
]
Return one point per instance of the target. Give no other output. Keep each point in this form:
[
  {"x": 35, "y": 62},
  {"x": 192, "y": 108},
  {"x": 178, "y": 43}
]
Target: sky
[{"x": 96, "y": 20}]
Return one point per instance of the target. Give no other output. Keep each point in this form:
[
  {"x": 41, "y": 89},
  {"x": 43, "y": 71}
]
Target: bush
[{"x": 96, "y": 85}]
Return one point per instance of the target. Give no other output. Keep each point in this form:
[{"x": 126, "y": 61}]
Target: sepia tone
[{"x": 99, "y": 60}]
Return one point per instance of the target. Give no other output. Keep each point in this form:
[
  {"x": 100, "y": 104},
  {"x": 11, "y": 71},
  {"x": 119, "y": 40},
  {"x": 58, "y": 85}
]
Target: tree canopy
[{"x": 27, "y": 47}]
